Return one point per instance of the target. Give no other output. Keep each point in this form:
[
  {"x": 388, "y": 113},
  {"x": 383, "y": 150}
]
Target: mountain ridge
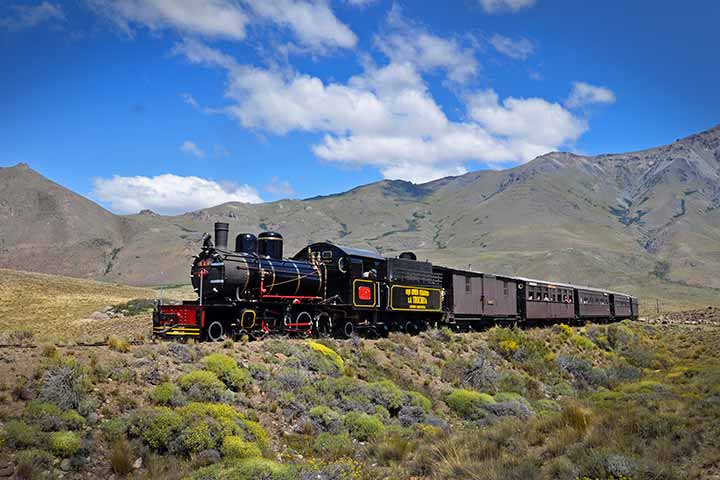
[{"x": 646, "y": 220}]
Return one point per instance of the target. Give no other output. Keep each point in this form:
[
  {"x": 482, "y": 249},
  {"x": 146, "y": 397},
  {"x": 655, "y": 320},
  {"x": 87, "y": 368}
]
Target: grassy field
[
  {"x": 56, "y": 307},
  {"x": 631, "y": 400}
]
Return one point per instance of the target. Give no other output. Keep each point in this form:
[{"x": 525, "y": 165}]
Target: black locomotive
[{"x": 328, "y": 289}]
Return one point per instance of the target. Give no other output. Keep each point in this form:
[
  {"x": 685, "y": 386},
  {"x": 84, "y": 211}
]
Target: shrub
[
  {"x": 236, "y": 447},
  {"x": 387, "y": 394},
  {"x": 118, "y": 344},
  {"x": 156, "y": 426},
  {"x": 121, "y": 457},
  {"x": 565, "y": 329},
  {"x": 19, "y": 434},
  {"x": 65, "y": 384},
  {"x": 31, "y": 462},
  {"x": 333, "y": 446},
  {"x": 508, "y": 347},
  {"x": 364, "y": 427},
  {"x": 469, "y": 403},
  {"x": 48, "y": 417},
  {"x": 198, "y": 437},
  {"x": 576, "y": 417},
  {"x": 20, "y": 336},
  {"x": 65, "y": 443},
  {"x": 420, "y": 400},
  {"x": 329, "y": 353},
  {"x": 247, "y": 469},
  {"x": 50, "y": 351},
  {"x": 227, "y": 369},
  {"x": 114, "y": 429},
  {"x": 202, "y": 385},
  {"x": 325, "y": 418},
  {"x": 165, "y": 394}
]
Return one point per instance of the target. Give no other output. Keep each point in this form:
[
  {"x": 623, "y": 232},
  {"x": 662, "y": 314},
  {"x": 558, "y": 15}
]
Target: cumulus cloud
[
  {"x": 519, "y": 49},
  {"x": 584, "y": 94},
  {"x": 169, "y": 194},
  {"x": 386, "y": 118},
  {"x": 191, "y": 148},
  {"x": 279, "y": 187},
  {"x": 406, "y": 42},
  {"x": 312, "y": 22},
  {"x": 505, "y": 6},
  {"x": 28, "y": 16},
  {"x": 211, "y": 18},
  {"x": 532, "y": 126}
]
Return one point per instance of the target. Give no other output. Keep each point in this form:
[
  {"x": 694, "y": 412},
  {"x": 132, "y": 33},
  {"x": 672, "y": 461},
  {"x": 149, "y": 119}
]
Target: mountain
[{"x": 647, "y": 222}]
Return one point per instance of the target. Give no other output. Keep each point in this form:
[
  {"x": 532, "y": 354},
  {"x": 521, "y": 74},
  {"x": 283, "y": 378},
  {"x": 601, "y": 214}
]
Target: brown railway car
[
  {"x": 475, "y": 296},
  {"x": 621, "y": 306},
  {"x": 540, "y": 300},
  {"x": 592, "y": 303}
]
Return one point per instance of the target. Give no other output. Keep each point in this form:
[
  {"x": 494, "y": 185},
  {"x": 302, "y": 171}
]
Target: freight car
[{"x": 327, "y": 289}]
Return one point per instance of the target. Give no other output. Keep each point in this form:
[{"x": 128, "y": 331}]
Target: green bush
[
  {"x": 325, "y": 417},
  {"x": 48, "y": 416},
  {"x": 114, "y": 429},
  {"x": 198, "y": 437},
  {"x": 420, "y": 400},
  {"x": 227, "y": 369},
  {"x": 156, "y": 426},
  {"x": 364, "y": 427},
  {"x": 246, "y": 469},
  {"x": 333, "y": 446},
  {"x": 31, "y": 462},
  {"x": 387, "y": 394},
  {"x": 202, "y": 385},
  {"x": 19, "y": 434},
  {"x": 469, "y": 403},
  {"x": 64, "y": 444},
  {"x": 165, "y": 393},
  {"x": 236, "y": 447}
]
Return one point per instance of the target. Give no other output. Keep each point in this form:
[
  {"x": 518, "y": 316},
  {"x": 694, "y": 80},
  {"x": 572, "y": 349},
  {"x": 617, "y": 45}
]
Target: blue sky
[{"x": 175, "y": 105}]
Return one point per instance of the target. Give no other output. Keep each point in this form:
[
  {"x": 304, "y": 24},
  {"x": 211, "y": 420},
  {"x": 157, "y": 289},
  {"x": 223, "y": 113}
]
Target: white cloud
[
  {"x": 506, "y": 6},
  {"x": 28, "y": 16},
  {"x": 312, "y": 22},
  {"x": 386, "y": 118},
  {"x": 191, "y": 148},
  {"x": 211, "y": 18},
  {"x": 279, "y": 187},
  {"x": 584, "y": 94},
  {"x": 519, "y": 49},
  {"x": 169, "y": 194},
  {"x": 190, "y": 100},
  {"x": 360, "y": 3},
  {"x": 529, "y": 120},
  {"x": 405, "y": 42}
]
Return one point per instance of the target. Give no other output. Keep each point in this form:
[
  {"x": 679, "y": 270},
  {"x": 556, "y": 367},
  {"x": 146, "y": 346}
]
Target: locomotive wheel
[
  {"x": 215, "y": 331},
  {"x": 348, "y": 329},
  {"x": 411, "y": 328},
  {"x": 323, "y": 325}
]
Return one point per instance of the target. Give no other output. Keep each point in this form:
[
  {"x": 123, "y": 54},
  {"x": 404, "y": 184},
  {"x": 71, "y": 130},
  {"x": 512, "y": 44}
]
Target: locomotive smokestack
[{"x": 221, "y": 235}]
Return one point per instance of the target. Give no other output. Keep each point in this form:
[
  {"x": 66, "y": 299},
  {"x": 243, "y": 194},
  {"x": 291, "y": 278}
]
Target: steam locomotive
[{"x": 327, "y": 289}]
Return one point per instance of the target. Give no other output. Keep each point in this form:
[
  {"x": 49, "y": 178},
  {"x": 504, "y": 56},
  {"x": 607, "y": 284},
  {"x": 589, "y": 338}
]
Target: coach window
[
  {"x": 505, "y": 288},
  {"x": 468, "y": 285}
]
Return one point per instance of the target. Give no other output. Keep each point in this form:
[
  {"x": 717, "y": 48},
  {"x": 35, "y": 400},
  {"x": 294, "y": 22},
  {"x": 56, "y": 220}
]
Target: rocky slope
[{"x": 647, "y": 222}]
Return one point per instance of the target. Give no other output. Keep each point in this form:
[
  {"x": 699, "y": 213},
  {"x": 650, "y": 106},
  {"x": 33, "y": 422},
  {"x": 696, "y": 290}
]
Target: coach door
[
  {"x": 467, "y": 295},
  {"x": 500, "y": 297}
]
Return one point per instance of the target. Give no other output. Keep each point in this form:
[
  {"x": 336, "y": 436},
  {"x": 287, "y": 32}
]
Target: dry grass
[{"x": 52, "y": 306}]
